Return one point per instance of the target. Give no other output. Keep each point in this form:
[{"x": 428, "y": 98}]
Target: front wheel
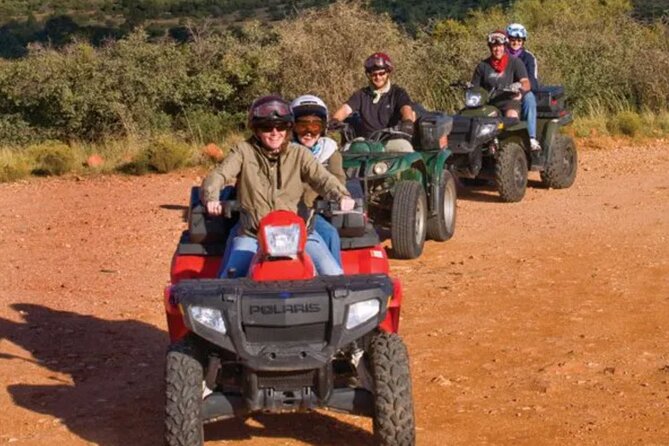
[
  {"x": 183, "y": 396},
  {"x": 408, "y": 220},
  {"x": 441, "y": 226},
  {"x": 560, "y": 171},
  {"x": 394, "y": 422},
  {"x": 511, "y": 172}
]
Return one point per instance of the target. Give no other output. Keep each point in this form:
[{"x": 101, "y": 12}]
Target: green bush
[
  {"x": 13, "y": 166},
  {"x": 662, "y": 122},
  {"x": 165, "y": 154},
  {"x": 51, "y": 158},
  {"x": 626, "y": 123},
  {"x": 204, "y": 127},
  {"x": 594, "y": 125}
]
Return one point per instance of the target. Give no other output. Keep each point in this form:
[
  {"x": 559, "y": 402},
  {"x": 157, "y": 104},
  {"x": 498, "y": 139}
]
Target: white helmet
[
  {"x": 310, "y": 105},
  {"x": 516, "y": 30}
]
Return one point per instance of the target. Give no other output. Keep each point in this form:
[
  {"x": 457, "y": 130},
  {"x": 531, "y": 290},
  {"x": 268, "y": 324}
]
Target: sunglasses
[
  {"x": 280, "y": 126},
  {"x": 378, "y": 73},
  {"x": 314, "y": 127}
]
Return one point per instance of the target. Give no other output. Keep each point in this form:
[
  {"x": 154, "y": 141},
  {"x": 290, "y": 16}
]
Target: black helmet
[{"x": 269, "y": 109}]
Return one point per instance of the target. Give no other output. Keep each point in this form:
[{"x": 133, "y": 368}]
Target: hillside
[{"x": 23, "y": 22}]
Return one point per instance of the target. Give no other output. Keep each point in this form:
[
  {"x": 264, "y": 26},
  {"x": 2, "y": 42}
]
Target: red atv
[{"x": 283, "y": 339}]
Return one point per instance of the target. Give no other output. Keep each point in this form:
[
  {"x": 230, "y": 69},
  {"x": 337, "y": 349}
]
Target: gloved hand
[
  {"x": 516, "y": 87},
  {"x": 346, "y": 204},
  {"x": 214, "y": 207},
  {"x": 407, "y": 126},
  {"x": 335, "y": 124}
]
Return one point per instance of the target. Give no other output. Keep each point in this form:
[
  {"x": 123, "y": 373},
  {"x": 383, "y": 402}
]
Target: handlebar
[
  {"x": 329, "y": 208},
  {"x": 230, "y": 206},
  {"x": 461, "y": 84}
]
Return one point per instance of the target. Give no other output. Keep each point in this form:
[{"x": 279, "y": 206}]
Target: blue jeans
[
  {"x": 530, "y": 113},
  {"x": 330, "y": 236},
  {"x": 244, "y": 247}
]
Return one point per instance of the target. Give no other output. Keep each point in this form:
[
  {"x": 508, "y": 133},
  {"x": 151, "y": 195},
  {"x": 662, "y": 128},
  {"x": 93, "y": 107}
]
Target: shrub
[
  {"x": 594, "y": 125},
  {"x": 51, "y": 158},
  {"x": 627, "y": 123},
  {"x": 204, "y": 127},
  {"x": 13, "y": 166},
  {"x": 662, "y": 122},
  {"x": 165, "y": 154}
]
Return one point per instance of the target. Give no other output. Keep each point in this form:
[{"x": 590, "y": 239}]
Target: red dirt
[{"x": 541, "y": 322}]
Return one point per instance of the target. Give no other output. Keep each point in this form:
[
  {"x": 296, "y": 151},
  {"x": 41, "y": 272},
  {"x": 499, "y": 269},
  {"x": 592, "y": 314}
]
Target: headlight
[
  {"x": 282, "y": 241},
  {"x": 361, "y": 312},
  {"x": 209, "y": 317},
  {"x": 472, "y": 98},
  {"x": 486, "y": 129},
  {"x": 380, "y": 168}
]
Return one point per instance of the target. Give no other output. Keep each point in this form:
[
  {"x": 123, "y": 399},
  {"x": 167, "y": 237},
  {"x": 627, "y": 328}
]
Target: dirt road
[{"x": 544, "y": 322}]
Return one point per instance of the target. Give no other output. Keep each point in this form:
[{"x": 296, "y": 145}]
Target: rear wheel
[
  {"x": 408, "y": 220},
  {"x": 441, "y": 226},
  {"x": 184, "y": 376},
  {"x": 394, "y": 422},
  {"x": 560, "y": 171},
  {"x": 511, "y": 172}
]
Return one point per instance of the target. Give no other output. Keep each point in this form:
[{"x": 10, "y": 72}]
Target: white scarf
[{"x": 380, "y": 92}]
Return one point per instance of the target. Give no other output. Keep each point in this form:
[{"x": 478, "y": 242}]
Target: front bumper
[{"x": 283, "y": 326}]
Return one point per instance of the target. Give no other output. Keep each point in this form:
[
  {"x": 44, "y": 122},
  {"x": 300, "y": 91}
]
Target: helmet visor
[
  {"x": 313, "y": 126},
  {"x": 271, "y": 109},
  {"x": 497, "y": 39}
]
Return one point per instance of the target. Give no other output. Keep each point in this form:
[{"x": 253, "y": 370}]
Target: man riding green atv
[
  {"x": 488, "y": 140},
  {"x": 411, "y": 193},
  {"x": 406, "y": 185},
  {"x": 486, "y": 145}
]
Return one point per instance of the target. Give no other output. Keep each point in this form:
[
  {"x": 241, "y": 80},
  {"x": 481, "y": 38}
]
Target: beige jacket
[{"x": 265, "y": 185}]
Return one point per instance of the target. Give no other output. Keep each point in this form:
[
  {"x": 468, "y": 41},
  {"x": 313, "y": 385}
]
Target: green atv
[
  {"x": 410, "y": 193},
  {"x": 487, "y": 146}
]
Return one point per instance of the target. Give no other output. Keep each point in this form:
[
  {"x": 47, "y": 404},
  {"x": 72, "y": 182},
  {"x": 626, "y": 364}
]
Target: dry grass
[{"x": 13, "y": 166}]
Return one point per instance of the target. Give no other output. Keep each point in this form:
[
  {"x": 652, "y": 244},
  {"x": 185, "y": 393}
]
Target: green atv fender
[
  {"x": 436, "y": 163},
  {"x": 546, "y": 130}
]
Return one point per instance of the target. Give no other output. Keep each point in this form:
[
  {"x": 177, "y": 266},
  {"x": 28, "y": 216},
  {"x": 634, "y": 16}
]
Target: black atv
[{"x": 488, "y": 146}]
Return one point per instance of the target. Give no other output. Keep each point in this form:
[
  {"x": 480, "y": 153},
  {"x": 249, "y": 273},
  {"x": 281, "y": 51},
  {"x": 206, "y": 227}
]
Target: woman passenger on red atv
[
  {"x": 501, "y": 71},
  {"x": 311, "y": 119},
  {"x": 270, "y": 172}
]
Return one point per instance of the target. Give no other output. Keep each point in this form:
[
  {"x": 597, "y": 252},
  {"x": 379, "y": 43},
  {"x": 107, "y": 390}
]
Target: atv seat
[
  {"x": 349, "y": 224},
  {"x": 368, "y": 238}
]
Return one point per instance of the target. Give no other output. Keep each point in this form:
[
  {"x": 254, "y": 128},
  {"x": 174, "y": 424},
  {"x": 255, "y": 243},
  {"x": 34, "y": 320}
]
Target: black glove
[
  {"x": 335, "y": 124},
  {"x": 407, "y": 126}
]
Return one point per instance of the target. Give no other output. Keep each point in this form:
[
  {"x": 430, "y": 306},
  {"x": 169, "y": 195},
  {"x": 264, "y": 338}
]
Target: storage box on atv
[
  {"x": 550, "y": 101},
  {"x": 433, "y": 128}
]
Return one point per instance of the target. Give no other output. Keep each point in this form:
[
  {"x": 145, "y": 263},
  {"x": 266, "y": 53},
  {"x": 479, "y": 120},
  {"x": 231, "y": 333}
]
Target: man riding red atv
[{"x": 281, "y": 338}]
